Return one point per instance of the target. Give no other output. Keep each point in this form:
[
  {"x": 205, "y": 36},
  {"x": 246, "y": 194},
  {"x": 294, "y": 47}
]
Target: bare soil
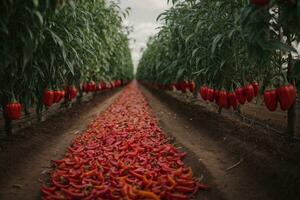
[
  {"x": 238, "y": 160},
  {"x": 25, "y": 160}
]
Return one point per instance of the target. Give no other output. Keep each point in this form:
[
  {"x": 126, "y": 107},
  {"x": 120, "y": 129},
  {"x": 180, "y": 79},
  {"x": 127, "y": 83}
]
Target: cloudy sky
[{"x": 143, "y": 19}]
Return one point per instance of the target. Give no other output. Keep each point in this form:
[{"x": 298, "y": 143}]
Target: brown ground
[{"x": 269, "y": 165}]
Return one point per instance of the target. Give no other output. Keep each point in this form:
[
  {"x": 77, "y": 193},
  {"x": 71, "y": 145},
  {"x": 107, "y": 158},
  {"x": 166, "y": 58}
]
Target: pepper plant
[
  {"x": 55, "y": 44},
  {"x": 227, "y": 45}
]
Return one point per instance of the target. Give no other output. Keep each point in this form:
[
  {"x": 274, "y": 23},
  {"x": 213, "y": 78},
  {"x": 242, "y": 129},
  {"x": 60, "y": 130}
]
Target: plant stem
[{"x": 292, "y": 111}]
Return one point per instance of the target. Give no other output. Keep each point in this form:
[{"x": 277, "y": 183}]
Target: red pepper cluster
[
  {"x": 183, "y": 86},
  {"x": 89, "y": 87},
  {"x": 92, "y": 86},
  {"x": 123, "y": 155},
  {"x": 71, "y": 92},
  {"x": 50, "y": 97},
  {"x": 284, "y": 95},
  {"x": 226, "y": 99}
]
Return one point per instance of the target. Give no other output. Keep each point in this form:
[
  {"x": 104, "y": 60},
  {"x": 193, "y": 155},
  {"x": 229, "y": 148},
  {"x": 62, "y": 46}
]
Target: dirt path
[
  {"x": 25, "y": 160},
  {"x": 194, "y": 134}
]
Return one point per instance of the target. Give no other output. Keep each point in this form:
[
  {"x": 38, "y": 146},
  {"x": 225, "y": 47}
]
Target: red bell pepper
[
  {"x": 223, "y": 99},
  {"x": 203, "y": 92},
  {"x": 271, "y": 99},
  {"x": 210, "y": 94},
  {"x": 286, "y": 96},
  {"x": 240, "y": 95},
  {"x": 249, "y": 92},
  {"x": 13, "y": 110},
  {"x": 48, "y": 97},
  {"x": 233, "y": 100}
]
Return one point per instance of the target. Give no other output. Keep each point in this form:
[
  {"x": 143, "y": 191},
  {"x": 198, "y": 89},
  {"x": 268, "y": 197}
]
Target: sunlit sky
[{"x": 143, "y": 19}]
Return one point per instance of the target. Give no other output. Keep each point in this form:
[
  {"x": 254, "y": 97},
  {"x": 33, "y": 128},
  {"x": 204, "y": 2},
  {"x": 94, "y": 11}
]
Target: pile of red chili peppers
[{"x": 123, "y": 155}]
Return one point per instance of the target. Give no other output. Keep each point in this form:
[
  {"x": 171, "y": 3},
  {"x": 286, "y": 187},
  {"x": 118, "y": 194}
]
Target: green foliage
[
  {"x": 55, "y": 43},
  {"x": 222, "y": 43}
]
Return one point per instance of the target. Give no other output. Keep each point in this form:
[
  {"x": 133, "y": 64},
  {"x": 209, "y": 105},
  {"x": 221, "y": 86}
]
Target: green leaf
[
  {"x": 195, "y": 51},
  {"x": 39, "y": 17},
  {"x": 188, "y": 38},
  {"x": 3, "y": 27},
  {"x": 70, "y": 66},
  {"x": 35, "y": 3},
  {"x": 55, "y": 38},
  {"x": 180, "y": 74},
  {"x": 216, "y": 42},
  {"x": 231, "y": 33}
]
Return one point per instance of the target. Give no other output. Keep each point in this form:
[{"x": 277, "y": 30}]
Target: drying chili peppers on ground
[{"x": 123, "y": 155}]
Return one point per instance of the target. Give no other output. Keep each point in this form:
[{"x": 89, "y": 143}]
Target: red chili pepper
[
  {"x": 71, "y": 92},
  {"x": 202, "y": 186},
  {"x": 210, "y": 95},
  {"x": 103, "y": 85},
  {"x": 13, "y": 110},
  {"x": 131, "y": 193},
  {"x": 216, "y": 96},
  {"x": 183, "y": 86},
  {"x": 85, "y": 87},
  {"x": 286, "y": 96},
  {"x": 233, "y": 100},
  {"x": 137, "y": 175},
  {"x": 249, "y": 92},
  {"x": 72, "y": 194},
  {"x": 184, "y": 189},
  {"x": 223, "y": 99},
  {"x": 204, "y": 92},
  {"x": 147, "y": 194},
  {"x": 188, "y": 174},
  {"x": 47, "y": 190},
  {"x": 58, "y": 185},
  {"x": 132, "y": 154},
  {"x": 177, "y": 196},
  {"x": 98, "y": 87},
  {"x": 172, "y": 183},
  {"x": 271, "y": 100},
  {"x": 178, "y": 86},
  {"x": 48, "y": 97},
  {"x": 186, "y": 183},
  {"x": 56, "y": 96},
  {"x": 240, "y": 95}
]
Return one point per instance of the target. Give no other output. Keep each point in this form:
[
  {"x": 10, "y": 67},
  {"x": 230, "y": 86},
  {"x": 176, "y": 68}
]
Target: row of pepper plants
[
  {"x": 231, "y": 51},
  {"x": 51, "y": 49}
]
